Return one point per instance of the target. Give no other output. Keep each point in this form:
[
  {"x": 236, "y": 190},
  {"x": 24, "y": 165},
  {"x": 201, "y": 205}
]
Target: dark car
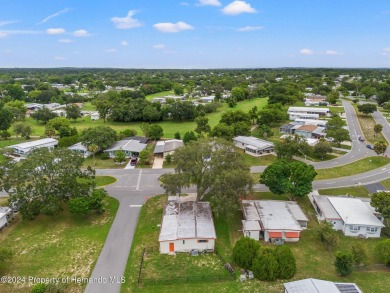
[
  {"x": 361, "y": 138},
  {"x": 369, "y": 146},
  {"x": 133, "y": 161}
]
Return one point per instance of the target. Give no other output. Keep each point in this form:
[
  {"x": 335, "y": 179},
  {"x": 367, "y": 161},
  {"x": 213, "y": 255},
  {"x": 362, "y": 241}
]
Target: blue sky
[{"x": 194, "y": 33}]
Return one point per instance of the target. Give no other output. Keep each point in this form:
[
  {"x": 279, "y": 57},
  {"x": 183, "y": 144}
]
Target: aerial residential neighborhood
[{"x": 195, "y": 146}]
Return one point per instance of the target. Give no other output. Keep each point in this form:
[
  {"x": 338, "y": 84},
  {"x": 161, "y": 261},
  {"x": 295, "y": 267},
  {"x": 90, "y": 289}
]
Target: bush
[
  {"x": 5, "y": 134},
  {"x": 245, "y": 251},
  {"x": 104, "y": 156},
  {"x": 359, "y": 252},
  {"x": 127, "y": 133},
  {"x": 327, "y": 235},
  {"x": 382, "y": 251},
  {"x": 168, "y": 158},
  {"x": 39, "y": 288},
  {"x": 286, "y": 262},
  {"x": 265, "y": 266},
  {"x": 68, "y": 141},
  {"x": 344, "y": 263}
]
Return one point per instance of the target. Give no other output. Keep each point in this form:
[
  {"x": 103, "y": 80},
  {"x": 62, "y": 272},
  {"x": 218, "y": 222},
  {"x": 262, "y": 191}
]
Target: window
[
  {"x": 372, "y": 229},
  {"x": 203, "y": 241},
  {"x": 184, "y": 242},
  {"x": 354, "y": 228}
]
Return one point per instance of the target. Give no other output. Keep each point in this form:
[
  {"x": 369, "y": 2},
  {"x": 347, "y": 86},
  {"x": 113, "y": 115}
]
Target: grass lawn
[
  {"x": 361, "y": 166},
  {"x": 313, "y": 261},
  {"x": 11, "y": 141},
  {"x": 3, "y": 201},
  {"x": 342, "y": 146},
  {"x": 359, "y": 191},
  {"x": 87, "y": 106},
  {"x": 104, "y": 180},
  {"x": 160, "y": 94},
  {"x": 386, "y": 183},
  {"x": 256, "y": 161},
  {"x": 103, "y": 164},
  {"x": 367, "y": 124},
  {"x": 62, "y": 246}
]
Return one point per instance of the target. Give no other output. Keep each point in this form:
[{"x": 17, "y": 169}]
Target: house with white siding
[
  {"x": 22, "y": 149},
  {"x": 353, "y": 216},
  {"x": 81, "y": 149},
  {"x": 132, "y": 146},
  {"x": 5, "y": 215},
  {"x": 320, "y": 286},
  {"x": 167, "y": 147},
  {"x": 309, "y": 110},
  {"x": 187, "y": 226},
  {"x": 253, "y": 146},
  {"x": 273, "y": 220}
]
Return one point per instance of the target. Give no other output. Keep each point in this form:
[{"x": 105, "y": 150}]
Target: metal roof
[
  {"x": 184, "y": 220},
  {"x": 254, "y": 142},
  {"x": 251, "y": 225},
  {"x": 78, "y": 146},
  {"x": 354, "y": 212},
  {"x": 326, "y": 207},
  {"x": 44, "y": 142},
  {"x": 127, "y": 145},
  {"x": 167, "y": 146},
  {"x": 296, "y": 211},
  {"x": 320, "y": 286},
  {"x": 308, "y": 109}
]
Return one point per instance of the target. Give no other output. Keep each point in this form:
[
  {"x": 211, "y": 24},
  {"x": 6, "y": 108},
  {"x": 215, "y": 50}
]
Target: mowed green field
[{"x": 170, "y": 127}]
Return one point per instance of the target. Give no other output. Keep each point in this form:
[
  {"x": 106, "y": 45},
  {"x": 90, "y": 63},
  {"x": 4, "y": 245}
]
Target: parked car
[
  {"x": 369, "y": 146},
  {"x": 330, "y": 139},
  {"x": 133, "y": 161},
  {"x": 361, "y": 138}
]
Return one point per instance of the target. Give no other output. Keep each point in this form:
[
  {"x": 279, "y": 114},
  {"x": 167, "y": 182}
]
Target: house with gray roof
[
  {"x": 163, "y": 148},
  {"x": 131, "y": 147},
  {"x": 253, "y": 146},
  {"x": 22, "y": 149},
  {"x": 81, "y": 149},
  {"x": 320, "y": 286},
  {"x": 187, "y": 226}
]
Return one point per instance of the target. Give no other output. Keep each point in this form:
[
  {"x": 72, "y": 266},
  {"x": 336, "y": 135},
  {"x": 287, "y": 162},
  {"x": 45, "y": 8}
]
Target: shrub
[
  {"x": 177, "y": 135},
  {"x": 344, "y": 263},
  {"x": 327, "y": 235},
  {"x": 286, "y": 262},
  {"x": 265, "y": 265},
  {"x": 382, "y": 251},
  {"x": 244, "y": 252},
  {"x": 359, "y": 252},
  {"x": 168, "y": 158},
  {"x": 5, "y": 134},
  {"x": 68, "y": 141},
  {"x": 127, "y": 133},
  {"x": 104, "y": 156},
  {"x": 39, "y": 288}
]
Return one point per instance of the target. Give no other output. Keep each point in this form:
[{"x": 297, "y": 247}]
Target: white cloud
[
  {"x": 110, "y": 50},
  {"x": 332, "y": 52},
  {"x": 249, "y": 28},
  {"x": 124, "y": 43},
  {"x": 2, "y": 23},
  {"x": 238, "y": 7},
  {"x": 168, "y": 27},
  {"x": 59, "y": 58},
  {"x": 3, "y": 34},
  {"x": 65, "y": 41},
  {"x": 169, "y": 52},
  {"x": 54, "y": 15},
  {"x": 55, "y": 31},
  {"x": 81, "y": 33},
  {"x": 126, "y": 22},
  {"x": 386, "y": 49},
  {"x": 306, "y": 52},
  {"x": 159, "y": 46},
  {"x": 184, "y": 3},
  {"x": 209, "y": 3}
]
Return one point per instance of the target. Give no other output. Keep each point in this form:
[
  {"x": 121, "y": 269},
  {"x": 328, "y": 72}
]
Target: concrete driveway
[{"x": 158, "y": 163}]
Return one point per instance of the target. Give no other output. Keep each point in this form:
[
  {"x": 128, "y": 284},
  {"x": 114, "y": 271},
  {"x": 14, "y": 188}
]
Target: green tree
[
  {"x": 178, "y": 89},
  {"x": 49, "y": 130},
  {"x": 335, "y": 123},
  {"x": 22, "y": 129},
  {"x": 265, "y": 266},
  {"x": 189, "y": 136},
  {"x": 150, "y": 114},
  {"x": 145, "y": 157},
  {"x": 86, "y": 204},
  {"x": 102, "y": 136},
  {"x": 202, "y": 126},
  {"x": 43, "y": 115},
  {"x": 244, "y": 251},
  {"x": 327, "y": 235},
  {"x": 120, "y": 157},
  {"x": 382, "y": 251},
  {"x": 17, "y": 108},
  {"x": 343, "y": 263},
  {"x": 367, "y": 108},
  {"x": 155, "y": 131},
  {"x": 93, "y": 148},
  {"x": 359, "y": 252},
  {"x": 386, "y": 106},
  {"x": 238, "y": 94},
  {"x": 45, "y": 181},
  {"x": 380, "y": 147},
  {"x": 355, "y": 101},
  {"x": 339, "y": 135},
  {"x": 322, "y": 148},
  {"x": 18, "y": 128},
  {"x": 294, "y": 178},
  {"x": 104, "y": 107},
  {"x": 15, "y": 91},
  {"x": 5, "y": 118},
  {"x": 215, "y": 170},
  {"x": 73, "y": 112},
  {"x": 381, "y": 202},
  {"x": 58, "y": 122},
  {"x": 222, "y": 130},
  {"x": 177, "y": 135},
  {"x": 26, "y": 131},
  {"x": 231, "y": 101},
  {"x": 5, "y": 134},
  {"x": 377, "y": 129},
  {"x": 333, "y": 96},
  {"x": 286, "y": 262},
  {"x": 254, "y": 114}
]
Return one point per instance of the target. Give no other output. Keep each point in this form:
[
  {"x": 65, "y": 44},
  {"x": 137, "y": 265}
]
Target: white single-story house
[
  {"x": 187, "y": 226},
  {"x": 273, "y": 219},
  {"x": 253, "y": 146},
  {"x": 5, "y": 214},
  {"x": 208, "y": 99},
  {"x": 160, "y": 100},
  {"x": 310, "y": 131},
  {"x": 352, "y": 216},
  {"x": 321, "y": 123},
  {"x": 163, "y": 148},
  {"x": 24, "y": 147},
  {"x": 80, "y": 148},
  {"x": 309, "y": 110},
  {"x": 60, "y": 112},
  {"x": 53, "y": 106},
  {"x": 131, "y": 147},
  {"x": 33, "y": 106},
  {"x": 320, "y": 286},
  {"x": 176, "y": 98},
  {"x": 293, "y": 116},
  {"x": 95, "y": 116}
]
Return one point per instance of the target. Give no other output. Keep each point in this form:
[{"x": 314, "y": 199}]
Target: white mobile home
[
  {"x": 187, "y": 226},
  {"x": 5, "y": 214},
  {"x": 81, "y": 149},
  {"x": 352, "y": 216},
  {"x": 320, "y": 286},
  {"x": 253, "y": 145},
  {"x": 309, "y": 110},
  {"x": 294, "y": 116},
  {"x": 23, "y": 148}
]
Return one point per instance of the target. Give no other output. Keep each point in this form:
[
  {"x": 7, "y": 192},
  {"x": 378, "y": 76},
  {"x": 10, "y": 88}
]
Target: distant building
[
  {"x": 273, "y": 220},
  {"x": 95, "y": 116},
  {"x": 23, "y": 148},
  {"x": 187, "y": 226},
  {"x": 309, "y": 110},
  {"x": 320, "y": 286},
  {"x": 310, "y": 131},
  {"x": 81, "y": 149},
  {"x": 160, "y": 100},
  {"x": 352, "y": 216},
  {"x": 163, "y": 148},
  {"x": 208, "y": 99},
  {"x": 294, "y": 115},
  {"x": 253, "y": 146}
]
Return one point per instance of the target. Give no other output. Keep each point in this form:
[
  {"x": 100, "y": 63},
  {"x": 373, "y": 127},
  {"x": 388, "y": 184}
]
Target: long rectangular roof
[
  {"x": 44, "y": 142},
  {"x": 127, "y": 145},
  {"x": 320, "y": 286},
  {"x": 185, "y": 220},
  {"x": 254, "y": 142},
  {"x": 308, "y": 109},
  {"x": 326, "y": 207},
  {"x": 167, "y": 146},
  {"x": 354, "y": 212}
]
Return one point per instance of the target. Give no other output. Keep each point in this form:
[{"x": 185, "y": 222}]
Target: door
[{"x": 171, "y": 247}]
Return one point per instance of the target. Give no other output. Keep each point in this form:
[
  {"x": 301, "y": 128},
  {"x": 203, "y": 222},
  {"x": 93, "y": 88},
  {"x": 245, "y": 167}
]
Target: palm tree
[{"x": 93, "y": 148}]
